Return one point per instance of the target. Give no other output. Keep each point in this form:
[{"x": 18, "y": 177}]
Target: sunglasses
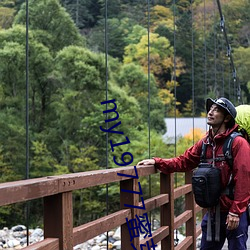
[{"x": 221, "y": 102}]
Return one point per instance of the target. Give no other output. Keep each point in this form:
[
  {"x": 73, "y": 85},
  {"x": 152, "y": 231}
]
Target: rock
[
  {"x": 38, "y": 232},
  {"x": 111, "y": 240},
  {"x": 18, "y": 228},
  {"x": 100, "y": 238},
  {"x": 13, "y": 243},
  {"x": 111, "y": 233},
  {"x": 117, "y": 245},
  {"x": 95, "y": 248},
  {"x": 3, "y": 233},
  {"x": 117, "y": 235}
]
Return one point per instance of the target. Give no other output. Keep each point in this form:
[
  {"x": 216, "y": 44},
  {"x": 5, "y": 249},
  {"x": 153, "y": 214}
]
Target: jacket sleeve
[
  {"x": 185, "y": 162},
  {"x": 241, "y": 175}
]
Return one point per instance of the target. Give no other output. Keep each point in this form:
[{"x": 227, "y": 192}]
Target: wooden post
[
  {"x": 190, "y": 205},
  {"x": 167, "y": 210},
  {"x": 58, "y": 219},
  {"x": 131, "y": 199}
]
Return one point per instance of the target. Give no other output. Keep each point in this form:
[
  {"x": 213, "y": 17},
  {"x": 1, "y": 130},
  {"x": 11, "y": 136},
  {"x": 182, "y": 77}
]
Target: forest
[{"x": 157, "y": 59}]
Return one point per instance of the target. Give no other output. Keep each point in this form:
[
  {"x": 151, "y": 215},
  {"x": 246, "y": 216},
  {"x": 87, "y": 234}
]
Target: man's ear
[{"x": 228, "y": 118}]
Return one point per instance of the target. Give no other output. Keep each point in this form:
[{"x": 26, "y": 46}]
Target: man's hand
[
  {"x": 146, "y": 162},
  {"x": 232, "y": 221}
]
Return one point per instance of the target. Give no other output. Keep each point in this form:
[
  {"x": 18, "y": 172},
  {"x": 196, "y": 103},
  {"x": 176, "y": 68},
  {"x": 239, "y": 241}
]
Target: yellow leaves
[
  {"x": 203, "y": 114},
  {"x": 189, "y": 139},
  {"x": 161, "y": 16},
  {"x": 195, "y": 134},
  {"x": 159, "y": 53},
  {"x": 188, "y": 109},
  {"x": 166, "y": 96}
]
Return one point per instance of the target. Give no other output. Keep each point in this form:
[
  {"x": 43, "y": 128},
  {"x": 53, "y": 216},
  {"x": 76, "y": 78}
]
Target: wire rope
[
  {"x": 149, "y": 120},
  {"x": 222, "y": 68},
  {"x": 215, "y": 52},
  {"x": 236, "y": 83},
  {"x": 175, "y": 95},
  {"x": 205, "y": 49},
  {"x": 174, "y": 74},
  {"x": 192, "y": 73},
  {"x": 27, "y": 207},
  {"x": 106, "y": 93}
]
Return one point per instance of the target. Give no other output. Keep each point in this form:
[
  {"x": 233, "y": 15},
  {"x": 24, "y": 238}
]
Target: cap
[{"x": 223, "y": 103}]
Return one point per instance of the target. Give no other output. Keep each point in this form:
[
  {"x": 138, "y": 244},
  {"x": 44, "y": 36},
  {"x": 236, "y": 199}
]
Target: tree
[
  {"x": 161, "y": 16},
  {"x": 161, "y": 57},
  {"x": 135, "y": 81},
  {"x": 242, "y": 64},
  {"x": 53, "y": 25},
  {"x": 84, "y": 13}
]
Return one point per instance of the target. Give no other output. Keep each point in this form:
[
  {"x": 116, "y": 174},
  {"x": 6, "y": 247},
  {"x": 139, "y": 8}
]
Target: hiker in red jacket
[{"x": 221, "y": 115}]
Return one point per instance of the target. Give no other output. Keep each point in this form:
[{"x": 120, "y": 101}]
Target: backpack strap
[
  {"x": 227, "y": 148},
  {"x": 203, "y": 152},
  {"x": 227, "y": 151}
]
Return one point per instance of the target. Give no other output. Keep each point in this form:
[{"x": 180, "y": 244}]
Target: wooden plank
[
  {"x": 190, "y": 205},
  {"x": 198, "y": 209},
  {"x": 178, "y": 192},
  {"x": 90, "y": 230},
  {"x": 58, "y": 219},
  {"x": 99, "y": 177},
  {"x": 24, "y": 190},
  {"x": 167, "y": 210},
  {"x": 132, "y": 199},
  {"x": 157, "y": 236},
  {"x": 185, "y": 244},
  {"x": 153, "y": 203},
  {"x": 182, "y": 218},
  {"x": 46, "y": 244},
  {"x": 198, "y": 231}
]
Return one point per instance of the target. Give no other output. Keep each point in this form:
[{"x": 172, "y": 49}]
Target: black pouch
[{"x": 206, "y": 183}]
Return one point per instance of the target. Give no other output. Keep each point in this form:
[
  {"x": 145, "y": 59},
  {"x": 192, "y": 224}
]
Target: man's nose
[{"x": 210, "y": 112}]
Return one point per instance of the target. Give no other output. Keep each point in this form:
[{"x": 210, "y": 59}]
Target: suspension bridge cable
[
  {"x": 175, "y": 95},
  {"x": 106, "y": 83},
  {"x": 205, "y": 49},
  {"x": 215, "y": 52},
  {"x": 174, "y": 71},
  {"x": 149, "y": 121},
  {"x": 27, "y": 207},
  {"x": 221, "y": 68},
  {"x": 192, "y": 73},
  {"x": 229, "y": 53}
]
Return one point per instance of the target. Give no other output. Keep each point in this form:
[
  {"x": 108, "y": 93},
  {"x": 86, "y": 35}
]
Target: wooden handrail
[{"x": 56, "y": 191}]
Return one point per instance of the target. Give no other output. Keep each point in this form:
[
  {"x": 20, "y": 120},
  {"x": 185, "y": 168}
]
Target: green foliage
[
  {"x": 84, "y": 13},
  {"x": 53, "y": 25},
  {"x": 67, "y": 83},
  {"x": 136, "y": 82},
  {"x": 42, "y": 162},
  {"x": 242, "y": 63}
]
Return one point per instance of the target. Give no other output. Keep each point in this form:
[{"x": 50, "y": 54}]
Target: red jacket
[{"x": 241, "y": 167}]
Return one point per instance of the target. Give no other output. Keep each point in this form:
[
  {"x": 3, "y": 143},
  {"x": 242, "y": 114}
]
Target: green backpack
[{"x": 243, "y": 120}]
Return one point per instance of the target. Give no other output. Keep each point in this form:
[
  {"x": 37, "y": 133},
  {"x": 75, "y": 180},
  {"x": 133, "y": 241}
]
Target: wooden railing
[{"x": 56, "y": 192}]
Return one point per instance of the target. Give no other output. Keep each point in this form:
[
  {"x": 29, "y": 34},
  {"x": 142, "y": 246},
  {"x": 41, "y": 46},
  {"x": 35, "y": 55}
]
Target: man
[{"x": 221, "y": 115}]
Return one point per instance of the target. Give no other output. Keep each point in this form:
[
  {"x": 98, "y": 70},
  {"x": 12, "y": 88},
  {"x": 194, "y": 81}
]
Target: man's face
[{"x": 215, "y": 116}]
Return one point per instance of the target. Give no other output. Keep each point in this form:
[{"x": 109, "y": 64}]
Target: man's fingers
[{"x": 146, "y": 162}]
